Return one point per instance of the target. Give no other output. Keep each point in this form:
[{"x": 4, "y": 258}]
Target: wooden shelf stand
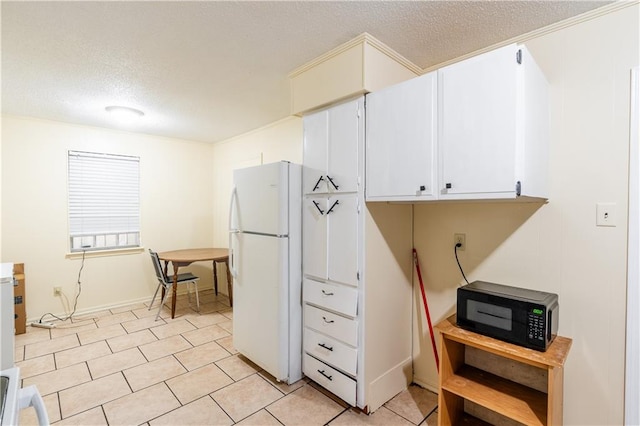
[{"x": 488, "y": 381}]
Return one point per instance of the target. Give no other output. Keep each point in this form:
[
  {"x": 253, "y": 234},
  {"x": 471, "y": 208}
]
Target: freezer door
[
  {"x": 260, "y": 199},
  {"x": 260, "y": 301}
]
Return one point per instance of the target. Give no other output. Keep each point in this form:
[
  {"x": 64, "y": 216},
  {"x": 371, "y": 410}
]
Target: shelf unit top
[{"x": 555, "y": 356}]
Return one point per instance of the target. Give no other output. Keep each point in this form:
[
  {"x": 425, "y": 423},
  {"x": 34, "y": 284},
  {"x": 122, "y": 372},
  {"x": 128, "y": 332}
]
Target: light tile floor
[{"x": 120, "y": 367}]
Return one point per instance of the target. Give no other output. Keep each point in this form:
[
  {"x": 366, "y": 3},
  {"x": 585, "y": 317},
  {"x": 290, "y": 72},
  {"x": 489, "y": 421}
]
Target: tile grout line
[
  {"x": 228, "y": 355},
  {"x": 337, "y": 415}
]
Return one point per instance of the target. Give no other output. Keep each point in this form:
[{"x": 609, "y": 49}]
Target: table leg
[
  {"x": 175, "y": 289},
  {"x": 229, "y": 283},
  {"x": 215, "y": 277}
]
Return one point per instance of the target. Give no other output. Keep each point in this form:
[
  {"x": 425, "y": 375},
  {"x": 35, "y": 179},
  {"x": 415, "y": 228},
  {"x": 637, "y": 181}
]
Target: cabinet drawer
[
  {"x": 330, "y": 378},
  {"x": 334, "y": 297},
  {"x": 333, "y": 325},
  {"x": 331, "y": 351}
]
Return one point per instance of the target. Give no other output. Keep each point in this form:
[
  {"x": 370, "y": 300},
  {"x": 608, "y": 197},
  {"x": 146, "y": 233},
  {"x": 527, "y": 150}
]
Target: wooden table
[{"x": 185, "y": 257}]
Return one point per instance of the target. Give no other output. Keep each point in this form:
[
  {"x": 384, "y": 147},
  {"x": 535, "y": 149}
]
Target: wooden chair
[{"x": 166, "y": 283}]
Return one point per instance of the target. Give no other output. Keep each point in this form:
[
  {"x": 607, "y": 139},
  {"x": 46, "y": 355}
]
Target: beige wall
[
  {"x": 557, "y": 247},
  {"x": 176, "y": 197},
  {"x": 281, "y": 140}
]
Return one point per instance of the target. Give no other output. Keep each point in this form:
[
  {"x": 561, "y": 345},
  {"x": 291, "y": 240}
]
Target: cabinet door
[
  {"x": 401, "y": 133},
  {"x": 345, "y": 132},
  {"x": 342, "y": 239},
  {"x": 477, "y": 119},
  {"x": 314, "y": 153},
  {"x": 314, "y": 241}
]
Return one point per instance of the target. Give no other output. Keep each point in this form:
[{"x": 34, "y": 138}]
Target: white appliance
[
  {"x": 265, "y": 252},
  {"x": 12, "y": 397}
]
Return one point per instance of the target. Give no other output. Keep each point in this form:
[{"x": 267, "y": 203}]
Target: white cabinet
[
  {"x": 477, "y": 101},
  {"x": 401, "y": 136},
  {"x": 330, "y": 160},
  {"x": 357, "y": 291},
  {"x": 330, "y": 243},
  {"x": 492, "y": 132}
]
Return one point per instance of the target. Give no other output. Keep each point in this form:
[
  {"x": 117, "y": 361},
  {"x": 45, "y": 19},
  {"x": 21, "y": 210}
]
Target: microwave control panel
[{"x": 536, "y": 324}]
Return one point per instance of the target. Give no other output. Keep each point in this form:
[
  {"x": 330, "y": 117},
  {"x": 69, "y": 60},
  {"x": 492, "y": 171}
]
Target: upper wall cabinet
[
  {"x": 492, "y": 133},
  {"x": 401, "y": 136},
  {"x": 329, "y": 156},
  {"x": 493, "y": 127}
]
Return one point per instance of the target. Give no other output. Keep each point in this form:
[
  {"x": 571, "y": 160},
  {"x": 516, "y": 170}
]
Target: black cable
[
  {"x": 75, "y": 303},
  {"x": 455, "y": 251}
]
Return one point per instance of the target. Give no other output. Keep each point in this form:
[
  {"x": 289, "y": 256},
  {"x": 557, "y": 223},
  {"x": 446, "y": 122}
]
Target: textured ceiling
[{"x": 210, "y": 70}]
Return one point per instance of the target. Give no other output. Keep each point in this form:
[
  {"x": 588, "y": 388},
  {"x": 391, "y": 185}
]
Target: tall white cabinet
[{"x": 356, "y": 265}]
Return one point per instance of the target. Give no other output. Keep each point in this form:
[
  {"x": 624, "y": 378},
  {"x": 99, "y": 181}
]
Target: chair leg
[
  {"x": 164, "y": 299},
  {"x": 154, "y": 296},
  {"x": 195, "y": 283}
]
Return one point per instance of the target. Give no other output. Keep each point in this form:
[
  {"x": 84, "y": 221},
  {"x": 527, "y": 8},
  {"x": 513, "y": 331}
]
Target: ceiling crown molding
[{"x": 362, "y": 38}]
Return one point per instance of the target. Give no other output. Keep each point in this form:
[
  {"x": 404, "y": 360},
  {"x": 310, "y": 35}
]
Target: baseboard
[
  {"x": 94, "y": 309},
  {"x": 426, "y": 384},
  {"x": 389, "y": 384}
]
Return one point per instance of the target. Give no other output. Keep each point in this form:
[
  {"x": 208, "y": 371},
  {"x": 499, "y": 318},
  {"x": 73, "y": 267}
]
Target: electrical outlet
[
  {"x": 57, "y": 291},
  {"x": 460, "y": 239}
]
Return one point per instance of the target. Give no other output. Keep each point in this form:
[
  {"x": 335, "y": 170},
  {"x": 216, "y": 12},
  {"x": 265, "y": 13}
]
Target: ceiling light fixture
[{"x": 124, "y": 114}]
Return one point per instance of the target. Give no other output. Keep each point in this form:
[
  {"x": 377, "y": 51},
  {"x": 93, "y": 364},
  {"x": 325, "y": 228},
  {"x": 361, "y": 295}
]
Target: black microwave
[{"x": 516, "y": 315}]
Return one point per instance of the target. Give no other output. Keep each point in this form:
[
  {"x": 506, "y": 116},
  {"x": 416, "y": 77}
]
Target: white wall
[
  {"x": 176, "y": 197},
  {"x": 557, "y": 247},
  {"x": 281, "y": 140}
]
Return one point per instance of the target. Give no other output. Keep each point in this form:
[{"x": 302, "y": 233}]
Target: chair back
[{"x": 158, "y": 267}]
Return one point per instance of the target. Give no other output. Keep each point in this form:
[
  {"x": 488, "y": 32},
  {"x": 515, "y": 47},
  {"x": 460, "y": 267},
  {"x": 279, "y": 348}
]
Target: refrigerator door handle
[
  {"x": 234, "y": 194},
  {"x": 232, "y": 263}
]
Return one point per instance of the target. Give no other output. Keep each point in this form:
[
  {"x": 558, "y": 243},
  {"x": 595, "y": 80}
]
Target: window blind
[{"x": 104, "y": 201}]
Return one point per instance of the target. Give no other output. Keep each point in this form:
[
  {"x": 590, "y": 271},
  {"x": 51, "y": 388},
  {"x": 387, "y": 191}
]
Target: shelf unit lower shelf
[{"x": 505, "y": 383}]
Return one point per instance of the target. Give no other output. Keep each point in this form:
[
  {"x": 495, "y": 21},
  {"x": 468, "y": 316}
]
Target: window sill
[{"x": 104, "y": 253}]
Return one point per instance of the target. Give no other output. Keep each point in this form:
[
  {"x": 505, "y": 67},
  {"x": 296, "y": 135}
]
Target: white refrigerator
[{"x": 265, "y": 247}]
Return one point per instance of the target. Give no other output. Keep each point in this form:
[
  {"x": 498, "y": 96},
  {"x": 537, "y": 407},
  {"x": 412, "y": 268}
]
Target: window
[{"x": 104, "y": 201}]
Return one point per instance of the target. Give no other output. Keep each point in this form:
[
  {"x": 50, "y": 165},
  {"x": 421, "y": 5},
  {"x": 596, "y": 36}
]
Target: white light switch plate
[{"x": 606, "y": 214}]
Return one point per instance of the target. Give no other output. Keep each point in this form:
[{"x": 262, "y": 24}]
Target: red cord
[{"x": 426, "y": 309}]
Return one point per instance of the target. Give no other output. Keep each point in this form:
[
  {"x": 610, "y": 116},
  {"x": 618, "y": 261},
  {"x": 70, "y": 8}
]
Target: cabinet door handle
[
  {"x": 322, "y": 345},
  {"x": 328, "y": 321},
  {"x": 332, "y": 182},
  {"x": 320, "y": 179},
  {"x": 332, "y": 206},
  {"x": 447, "y": 186},
  {"x": 423, "y": 188},
  {"x": 325, "y": 374},
  {"x": 318, "y": 207},
  {"x": 327, "y": 293}
]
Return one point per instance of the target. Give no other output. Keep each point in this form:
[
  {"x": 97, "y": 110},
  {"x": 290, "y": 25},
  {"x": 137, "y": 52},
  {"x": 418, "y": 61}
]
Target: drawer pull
[
  {"x": 325, "y": 374},
  {"x": 327, "y": 293},
  {"x": 332, "y": 183},
  {"x": 332, "y": 206},
  {"x": 327, "y": 321},
  {"x": 320, "y": 179},
  {"x": 318, "y": 207},
  {"x": 322, "y": 345}
]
